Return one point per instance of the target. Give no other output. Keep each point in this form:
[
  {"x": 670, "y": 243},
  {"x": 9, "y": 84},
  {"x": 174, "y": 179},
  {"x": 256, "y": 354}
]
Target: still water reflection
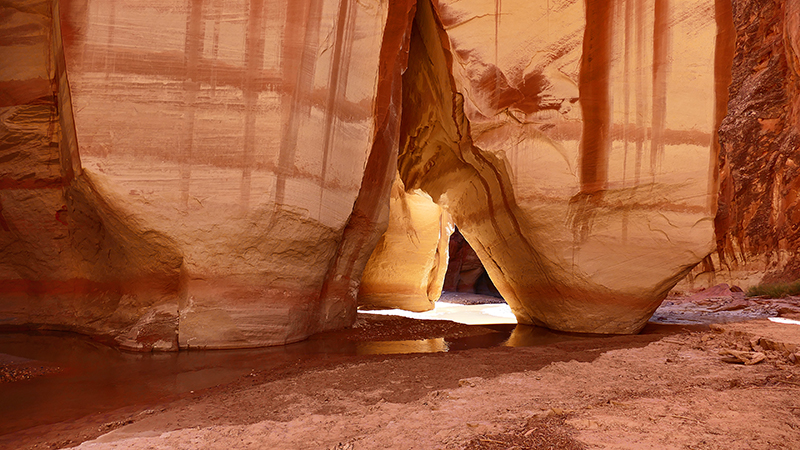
[{"x": 95, "y": 378}]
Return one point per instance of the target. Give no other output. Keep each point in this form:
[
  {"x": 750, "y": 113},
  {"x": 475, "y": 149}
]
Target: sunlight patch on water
[{"x": 436, "y": 345}]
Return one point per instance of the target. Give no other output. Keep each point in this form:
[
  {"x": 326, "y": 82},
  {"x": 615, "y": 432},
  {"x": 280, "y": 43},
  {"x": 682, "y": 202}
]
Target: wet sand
[{"x": 354, "y": 386}]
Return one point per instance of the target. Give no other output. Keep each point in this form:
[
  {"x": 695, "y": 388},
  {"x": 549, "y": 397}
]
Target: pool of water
[
  {"x": 89, "y": 377},
  {"x": 85, "y": 377}
]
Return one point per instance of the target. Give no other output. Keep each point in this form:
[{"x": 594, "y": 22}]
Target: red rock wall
[
  {"x": 758, "y": 218},
  {"x": 568, "y": 147},
  {"x": 70, "y": 261}
]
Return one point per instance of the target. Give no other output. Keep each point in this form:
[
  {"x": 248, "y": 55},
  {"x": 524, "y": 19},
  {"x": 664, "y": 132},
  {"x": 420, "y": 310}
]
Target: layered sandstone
[
  {"x": 572, "y": 146},
  {"x": 220, "y": 196},
  {"x": 758, "y": 219},
  {"x": 69, "y": 259},
  {"x": 217, "y": 173}
]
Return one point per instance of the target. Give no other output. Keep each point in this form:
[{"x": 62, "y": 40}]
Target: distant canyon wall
[{"x": 216, "y": 174}]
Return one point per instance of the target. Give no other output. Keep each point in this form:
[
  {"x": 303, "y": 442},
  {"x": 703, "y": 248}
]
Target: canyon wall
[
  {"x": 215, "y": 174},
  {"x": 200, "y": 182},
  {"x": 572, "y": 145},
  {"x": 758, "y": 219}
]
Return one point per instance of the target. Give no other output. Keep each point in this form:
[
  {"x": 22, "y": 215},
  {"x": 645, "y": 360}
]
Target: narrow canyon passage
[
  {"x": 570, "y": 231},
  {"x": 200, "y": 199},
  {"x": 220, "y": 180}
]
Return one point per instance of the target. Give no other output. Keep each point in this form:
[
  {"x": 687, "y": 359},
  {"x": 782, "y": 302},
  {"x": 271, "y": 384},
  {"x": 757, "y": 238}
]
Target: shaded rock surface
[
  {"x": 758, "y": 218},
  {"x": 465, "y": 271}
]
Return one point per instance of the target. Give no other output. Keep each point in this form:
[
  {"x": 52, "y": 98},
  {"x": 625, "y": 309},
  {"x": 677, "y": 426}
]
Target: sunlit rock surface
[
  {"x": 408, "y": 266},
  {"x": 577, "y": 159},
  {"x": 214, "y": 173},
  {"x": 219, "y": 199}
]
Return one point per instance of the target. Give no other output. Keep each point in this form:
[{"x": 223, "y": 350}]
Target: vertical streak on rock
[
  {"x": 110, "y": 50},
  {"x": 337, "y": 83},
  {"x": 626, "y": 81},
  {"x": 370, "y": 213},
  {"x": 498, "y": 7},
  {"x": 217, "y": 7},
  {"x": 595, "y": 97},
  {"x": 192, "y": 50},
  {"x": 661, "y": 39},
  {"x": 299, "y": 81},
  {"x": 723, "y": 63},
  {"x": 68, "y": 140},
  {"x": 254, "y": 60},
  {"x": 626, "y": 85},
  {"x": 640, "y": 99}
]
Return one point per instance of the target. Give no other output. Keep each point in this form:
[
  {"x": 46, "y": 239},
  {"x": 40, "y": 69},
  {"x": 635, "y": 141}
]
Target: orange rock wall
[
  {"x": 208, "y": 173},
  {"x": 408, "y": 266},
  {"x": 568, "y": 147},
  {"x": 219, "y": 199},
  {"x": 70, "y": 261}
]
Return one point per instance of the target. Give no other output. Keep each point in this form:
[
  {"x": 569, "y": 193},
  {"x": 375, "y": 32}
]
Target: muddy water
[
  {"x": 91, "y": 377},
  {"x": 82, "y": 377}
]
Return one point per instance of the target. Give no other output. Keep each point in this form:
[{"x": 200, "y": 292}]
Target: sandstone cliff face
[
  {"x": 219, "y": 199},
  {"x": 213, "y": 173},
  {"x": 69, "y": 260},
  {"x": 758, "y": 220},
  {"x": 568, "y": 147}
]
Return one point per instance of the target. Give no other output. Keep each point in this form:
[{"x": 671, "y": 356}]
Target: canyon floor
[{"x": 706, "y": 373}]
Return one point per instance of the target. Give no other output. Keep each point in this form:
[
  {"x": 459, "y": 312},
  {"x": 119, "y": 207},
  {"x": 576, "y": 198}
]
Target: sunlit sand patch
[{"x": 467, "y": 314}]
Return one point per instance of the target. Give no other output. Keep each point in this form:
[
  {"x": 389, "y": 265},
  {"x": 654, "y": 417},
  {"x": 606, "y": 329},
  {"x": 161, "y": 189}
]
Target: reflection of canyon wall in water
[{"x": 758, "y": 221}]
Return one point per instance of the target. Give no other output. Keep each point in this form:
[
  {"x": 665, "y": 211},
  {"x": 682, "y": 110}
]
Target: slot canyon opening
[
  {"x": 556, "y": 190},
  {"x": 463, "y": 293},
  {"x": 465, "y": 271},
  {"x": 423, "y": 259}
]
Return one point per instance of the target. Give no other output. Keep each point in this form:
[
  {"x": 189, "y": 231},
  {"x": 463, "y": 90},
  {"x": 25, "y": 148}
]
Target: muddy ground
[{"x": 685, "y": 385}]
